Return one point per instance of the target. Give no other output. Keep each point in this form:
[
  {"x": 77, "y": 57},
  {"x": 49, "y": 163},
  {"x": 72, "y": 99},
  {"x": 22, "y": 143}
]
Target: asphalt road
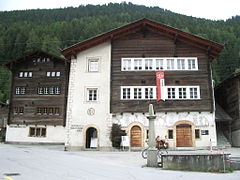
[{"x": 22, "y": 162}]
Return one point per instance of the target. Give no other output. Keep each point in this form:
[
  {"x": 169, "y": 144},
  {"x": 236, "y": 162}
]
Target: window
[
  {"x": 57, "y": 90},
  {"x": 126, "y": 64},
  {"x": 171, "y": 93},
  {"x": 192, "y": 64},
  {"x": 159, "y": 64},
  {"x": 93, "y": 65},
  {"x": 197, "y": 133},
  {"x": 137, "y": 93},
  {"x": 170, "y": 63},
  {"x": 49, "y": 90},
  {"x": 58, "y": 74},
  {"x": 25, "y": 74},
  {"x": 170, "y": 134},
  {"x": 18, "y": 110},
  {"x": 37, "y": 132},
  {"x": 53, "y": 74},
  {"x": 149, "y": 93},
  {"x": 181, "y": 64},
  {"x": 148, "y": 64},
  {"x": 193, "y": 93},
  {"x": 48, "y": 111},
  {"x": 182, "y": 93},
  {"x": 40, "y": 90},
  {"x": 126, "y": 93},
  {"x": 56, "y": 111},
  {"x": 45, "y": 90},
  {"x": 92, "y": 94},
  {"x": 21, "y": 74},
  {"x": 20, "y": 90},
  {"x": 137, "y": 64}
]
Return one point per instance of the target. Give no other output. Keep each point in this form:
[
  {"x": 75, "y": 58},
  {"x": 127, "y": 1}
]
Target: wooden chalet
[
  {"x": 134, "y": 53},
  {"x": 227, "y": 96},
  {"x": 38, "y": 98}
]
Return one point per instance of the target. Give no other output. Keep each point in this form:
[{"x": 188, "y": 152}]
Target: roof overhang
[
  {"x": 212, "y": 48},
  {"x": 35, "y": 53}
]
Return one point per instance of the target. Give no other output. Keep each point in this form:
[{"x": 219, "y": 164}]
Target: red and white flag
[{"x": 160, "y": 82}]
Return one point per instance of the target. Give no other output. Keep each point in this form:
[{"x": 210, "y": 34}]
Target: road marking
[{"x": 8, "y": 178}]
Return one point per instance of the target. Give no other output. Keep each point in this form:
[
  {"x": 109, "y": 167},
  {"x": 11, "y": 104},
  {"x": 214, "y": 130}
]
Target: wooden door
[
  {"x": 136, "y": 136},
  {"x": 184, "y": 135}
]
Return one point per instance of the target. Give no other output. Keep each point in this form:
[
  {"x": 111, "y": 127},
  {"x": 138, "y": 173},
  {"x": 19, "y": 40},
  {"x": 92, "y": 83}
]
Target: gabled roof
[
  {"x": 33, "y": 54},
  {"x": 228, "y": 79},
  {"x": 211, "y": 47}
]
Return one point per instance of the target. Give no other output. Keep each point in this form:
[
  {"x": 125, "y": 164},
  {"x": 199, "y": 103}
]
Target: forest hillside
[{"x": 25, "y": 31}]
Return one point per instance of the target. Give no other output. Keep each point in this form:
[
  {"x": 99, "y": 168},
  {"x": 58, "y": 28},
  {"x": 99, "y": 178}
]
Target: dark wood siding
[
  {"x": 31, "y": 100},
  {"x": 150, "y": 44},
  {"x": 227, "y": 96}
]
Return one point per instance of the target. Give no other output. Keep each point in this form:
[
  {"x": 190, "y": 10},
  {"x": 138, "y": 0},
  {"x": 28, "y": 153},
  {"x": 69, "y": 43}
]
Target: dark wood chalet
[
  {"x": 39, "y": 89},
  {"x": 228, "y": 97}
]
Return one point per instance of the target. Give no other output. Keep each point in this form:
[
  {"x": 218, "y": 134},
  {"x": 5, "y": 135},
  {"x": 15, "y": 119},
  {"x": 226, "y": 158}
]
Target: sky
[{"x": 209, "y": 9}]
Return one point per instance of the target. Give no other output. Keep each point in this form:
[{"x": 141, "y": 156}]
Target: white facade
[
  {"x": 21, "y": 134},
  {"x": 84, "y": 112}
]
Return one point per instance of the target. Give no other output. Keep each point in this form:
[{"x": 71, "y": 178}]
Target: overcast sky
[{"x": 209, "y": 9}]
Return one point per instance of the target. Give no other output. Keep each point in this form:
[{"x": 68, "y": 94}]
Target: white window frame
[
  {"x": 58, "y": 74},
  {"x": 192, "y": 64},
  {"x": 138, "y": 64},
  {"x": 92, "y": 89},
  {"x": 148, "y": 64},
  {"x": 181, "y": 64},
  {"x": 53, "y": 74},
  {"x": 96, "y": 67},
  {"x": 131, "y": 90},
  {"x": 25, "y": 74},
  {"x": 57, "y": 90},
  {"x": 127, "y": 64},
  {"x": 187, "y": 92},
  {"x": 17, "y": 90},
  {"x": 40, "y": 90},
  {"x": 160, "y": 63},
  {"x": 20, "y": 90},
  {"x": 20, "y": 74}
]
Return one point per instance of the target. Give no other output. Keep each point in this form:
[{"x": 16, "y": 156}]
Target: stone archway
[{"x": 91, "y": 138}]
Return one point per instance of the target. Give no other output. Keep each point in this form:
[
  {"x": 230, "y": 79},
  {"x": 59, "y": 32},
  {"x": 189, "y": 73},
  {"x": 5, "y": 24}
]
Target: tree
[{"x": 116, "y": 133}]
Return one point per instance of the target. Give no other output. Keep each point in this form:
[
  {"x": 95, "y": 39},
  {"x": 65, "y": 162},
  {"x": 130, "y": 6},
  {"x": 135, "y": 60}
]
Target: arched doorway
[
  {"x": 91, "y": 138},
  {"x": 136, "y": 136},
  {"x": 184, "y": 135}
]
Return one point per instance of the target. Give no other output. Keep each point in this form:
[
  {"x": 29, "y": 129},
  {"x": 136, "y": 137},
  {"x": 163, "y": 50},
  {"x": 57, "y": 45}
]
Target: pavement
[{"x": 35, "y": 162}]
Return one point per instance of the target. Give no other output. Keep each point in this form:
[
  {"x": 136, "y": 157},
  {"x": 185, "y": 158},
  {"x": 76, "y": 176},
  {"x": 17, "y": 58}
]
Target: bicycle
[{"x": 159, "y": 153}]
